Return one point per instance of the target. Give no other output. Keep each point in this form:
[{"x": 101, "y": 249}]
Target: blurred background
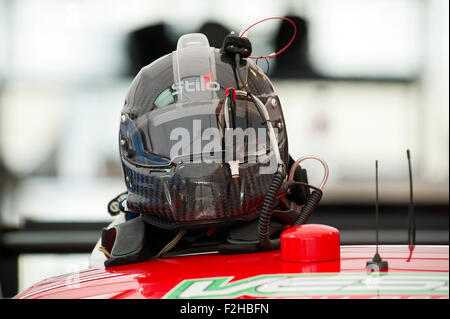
[{"x": 364, "y": 80}]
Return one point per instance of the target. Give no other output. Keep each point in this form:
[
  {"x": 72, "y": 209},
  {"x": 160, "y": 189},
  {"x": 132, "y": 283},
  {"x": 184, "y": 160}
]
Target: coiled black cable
[
  {"x": 266, "y": 211},
  {"x": 308, "y": 208}
]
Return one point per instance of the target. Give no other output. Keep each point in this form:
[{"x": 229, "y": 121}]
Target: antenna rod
[
  {"x": 377, "y": 263},
  {"x": 376, "y": 205},
  {"x": 411, "y": 215}
]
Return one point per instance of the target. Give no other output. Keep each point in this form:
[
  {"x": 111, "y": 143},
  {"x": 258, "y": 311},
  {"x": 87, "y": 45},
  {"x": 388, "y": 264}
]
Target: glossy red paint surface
[
  {"x": 154, "y": 279},
  {"x": 310, "y": 243}
]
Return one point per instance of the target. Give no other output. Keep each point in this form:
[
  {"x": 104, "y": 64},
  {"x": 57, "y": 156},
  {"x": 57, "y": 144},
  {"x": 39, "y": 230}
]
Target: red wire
[{"x": 287, "y": 45}]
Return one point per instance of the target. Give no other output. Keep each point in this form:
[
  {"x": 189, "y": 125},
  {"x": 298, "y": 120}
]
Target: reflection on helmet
[{"x": 174, "y": 145}]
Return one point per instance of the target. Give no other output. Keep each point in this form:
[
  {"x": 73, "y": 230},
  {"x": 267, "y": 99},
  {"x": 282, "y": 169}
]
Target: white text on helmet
[{"x": 202, "y": 84}]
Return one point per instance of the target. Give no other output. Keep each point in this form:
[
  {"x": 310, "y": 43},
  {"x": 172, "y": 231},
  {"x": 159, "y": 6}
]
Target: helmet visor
[{"x": 208, "y": 131}]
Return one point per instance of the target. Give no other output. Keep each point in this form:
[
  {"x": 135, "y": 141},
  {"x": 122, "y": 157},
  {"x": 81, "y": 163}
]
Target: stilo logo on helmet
[{"x": 203, "y": 83}]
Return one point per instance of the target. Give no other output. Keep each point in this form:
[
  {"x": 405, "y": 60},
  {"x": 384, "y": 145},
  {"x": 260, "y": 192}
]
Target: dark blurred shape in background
[
  {"x": 148, "y": 44},
  {"x": 215, "y": 32},
  {"x": 294, "y": 62}
]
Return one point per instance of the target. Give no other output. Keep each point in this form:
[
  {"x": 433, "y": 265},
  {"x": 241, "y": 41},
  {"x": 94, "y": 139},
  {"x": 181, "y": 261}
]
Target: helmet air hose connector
[{"x": 234, "y": 44}]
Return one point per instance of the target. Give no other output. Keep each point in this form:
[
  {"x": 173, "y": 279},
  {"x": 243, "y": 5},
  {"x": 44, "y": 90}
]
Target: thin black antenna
[
  {"x": 377, "y": 210},
  {"x": 411, "y": 214},
  {"x": 376, "y": 264}
]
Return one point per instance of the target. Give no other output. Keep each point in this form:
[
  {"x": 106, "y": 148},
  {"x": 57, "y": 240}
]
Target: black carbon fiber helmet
[{"x": 181, "y": 169}]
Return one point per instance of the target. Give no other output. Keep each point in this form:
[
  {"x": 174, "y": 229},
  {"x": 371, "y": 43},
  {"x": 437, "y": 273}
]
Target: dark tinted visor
[{"x": 196, "y": 131}]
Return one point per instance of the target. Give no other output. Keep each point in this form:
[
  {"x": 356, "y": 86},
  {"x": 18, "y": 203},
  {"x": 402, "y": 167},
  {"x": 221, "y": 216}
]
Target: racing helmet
[{"x": 181, "y": 167}]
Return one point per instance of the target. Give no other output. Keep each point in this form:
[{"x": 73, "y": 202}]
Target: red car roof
[{"x": 261, "y": 275}]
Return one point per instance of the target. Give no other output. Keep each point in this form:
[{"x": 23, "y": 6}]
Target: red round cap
[{"x": 310, "y": 243}]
